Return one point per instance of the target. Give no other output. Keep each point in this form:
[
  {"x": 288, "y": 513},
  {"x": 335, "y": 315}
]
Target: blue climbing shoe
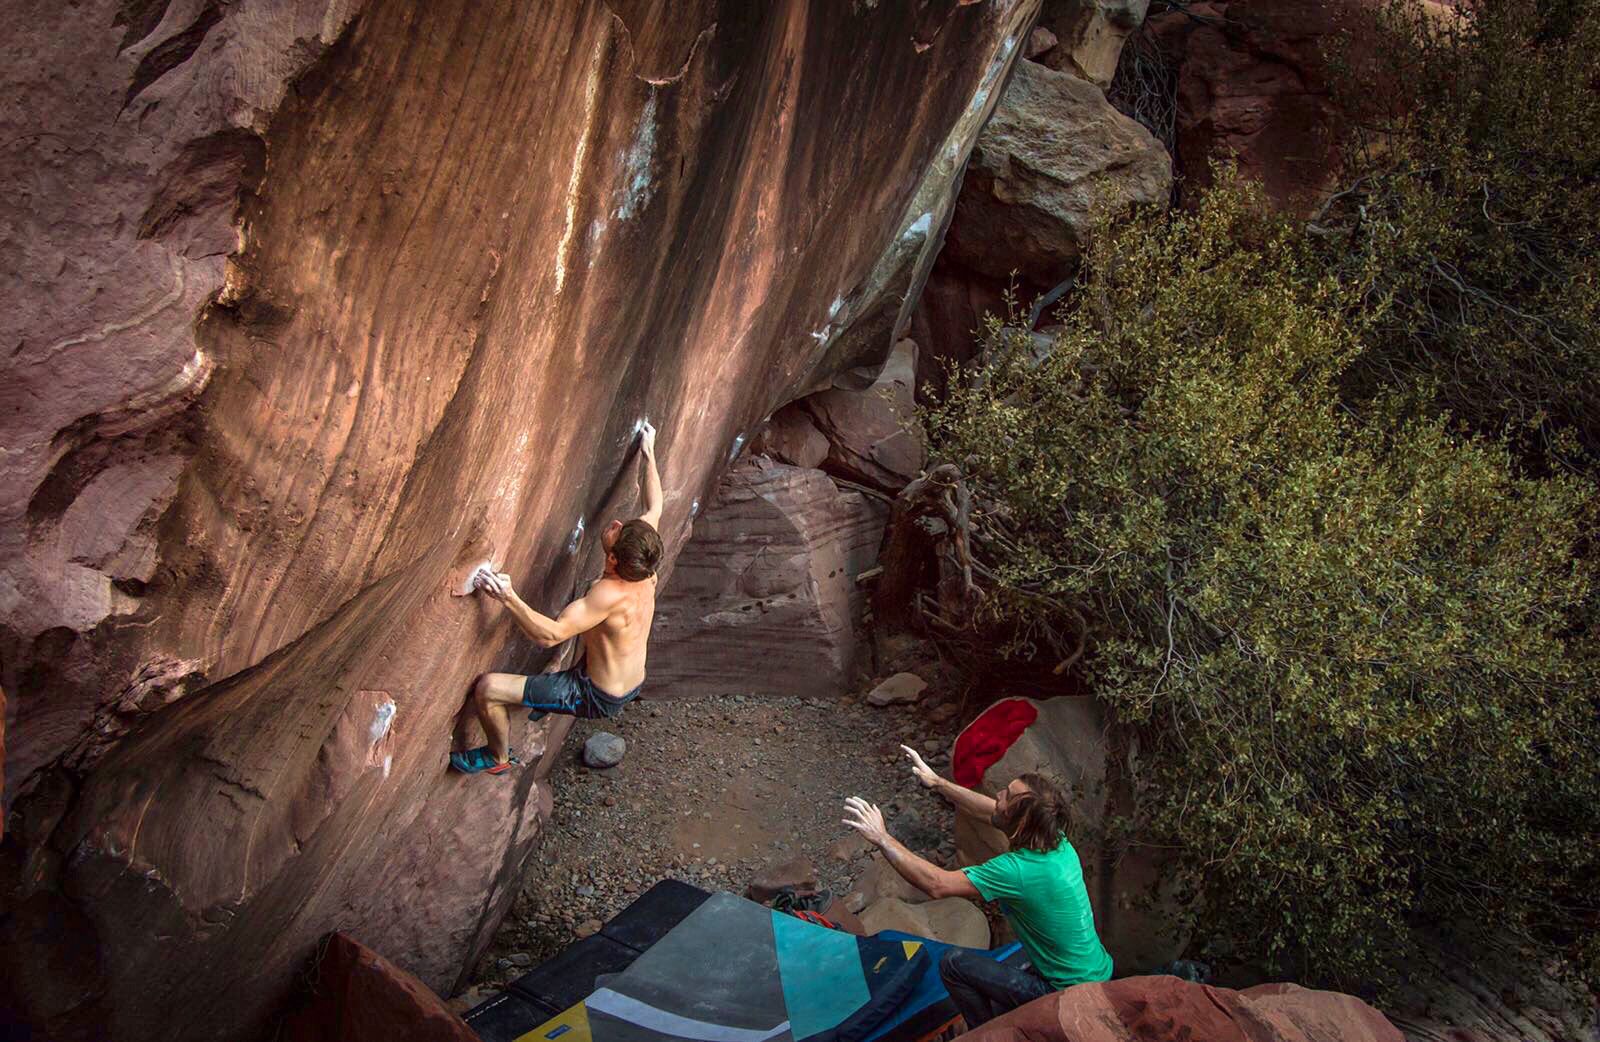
[{"x": 481, "y": 761}]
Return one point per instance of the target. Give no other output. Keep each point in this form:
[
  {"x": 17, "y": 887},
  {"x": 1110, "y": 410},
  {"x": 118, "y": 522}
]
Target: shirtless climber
[
  {"x": 1038, "y": 882},
  {"x": 613, "y": 618}
]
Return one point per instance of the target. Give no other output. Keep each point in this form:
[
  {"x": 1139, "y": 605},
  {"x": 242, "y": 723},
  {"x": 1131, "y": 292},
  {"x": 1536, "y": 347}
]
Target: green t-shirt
[{"x": 1044, "y": 898}]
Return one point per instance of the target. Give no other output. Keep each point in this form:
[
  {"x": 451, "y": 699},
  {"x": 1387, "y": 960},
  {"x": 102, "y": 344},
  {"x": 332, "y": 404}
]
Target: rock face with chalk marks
[{"x": 316, "y": 304}]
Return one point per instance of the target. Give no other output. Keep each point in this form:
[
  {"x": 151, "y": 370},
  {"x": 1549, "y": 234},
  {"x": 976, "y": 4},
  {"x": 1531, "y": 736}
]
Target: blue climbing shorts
[{"x": 571, "y": 692}]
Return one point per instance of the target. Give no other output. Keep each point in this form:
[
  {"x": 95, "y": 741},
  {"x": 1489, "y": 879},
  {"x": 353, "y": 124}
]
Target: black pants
[{"x": 983, "y": 989}]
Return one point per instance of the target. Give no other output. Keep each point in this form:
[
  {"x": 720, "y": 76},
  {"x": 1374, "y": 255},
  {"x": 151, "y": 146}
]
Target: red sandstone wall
[{"x": 250, "y": 447}]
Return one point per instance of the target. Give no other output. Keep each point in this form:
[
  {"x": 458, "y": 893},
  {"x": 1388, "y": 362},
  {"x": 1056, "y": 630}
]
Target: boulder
[
  {"x": 260, "y": 417},
  {"x": 604, "y": 749},
  {"x": 1252, "y": 80},
  {"x": 1040, "y": 41},
  {"x": 950, "y": 318},
  {"x": 868, "y": 442},
  {"x": 790, "y": 437},
  {"x": 360, "y": 996},
  {"x": 953, "y": 920},
  {"x": 900, "y": 689},
  {"x": 880, "y": 881},
  {"x": 1166, "y": 1009},
  {"x": 797, "y": 873},
  {"x": 1092, "y": 33},
  {"x": 1134, "y": 891},
  {"x": 763, "y": 599},
  {"x": 1054, "y": 151}
]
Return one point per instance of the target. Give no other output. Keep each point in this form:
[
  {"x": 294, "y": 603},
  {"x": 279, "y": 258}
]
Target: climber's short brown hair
[
  {"x": 637, "y": 550},
  {"x": 1038, "y": 818}
]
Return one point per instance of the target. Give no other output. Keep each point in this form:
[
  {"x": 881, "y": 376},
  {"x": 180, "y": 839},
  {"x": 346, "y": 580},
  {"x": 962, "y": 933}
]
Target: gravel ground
[{"x": 710, "y": 792}]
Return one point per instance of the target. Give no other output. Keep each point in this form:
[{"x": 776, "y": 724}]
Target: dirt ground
[{"x": 710, "y": 792}]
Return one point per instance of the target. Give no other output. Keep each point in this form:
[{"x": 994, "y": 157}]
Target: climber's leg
[{"x": 493, "y": 694}]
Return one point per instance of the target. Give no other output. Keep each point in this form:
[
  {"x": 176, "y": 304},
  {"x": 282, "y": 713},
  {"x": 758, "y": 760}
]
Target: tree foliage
[
  {"x": 1471, "y": 221},
  {"x": 1353, "y": 644}
]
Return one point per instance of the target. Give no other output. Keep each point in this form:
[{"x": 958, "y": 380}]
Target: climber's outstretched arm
[
  {"x": 921, "y": 873},
  {"x": 974, "y": 803},
  {"x": 653, "y": 497},
  {"x": 580, "y": 616}
]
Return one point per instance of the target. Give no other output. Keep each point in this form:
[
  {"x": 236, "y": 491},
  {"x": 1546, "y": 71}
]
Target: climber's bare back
[{"x": 614, "y": 651}]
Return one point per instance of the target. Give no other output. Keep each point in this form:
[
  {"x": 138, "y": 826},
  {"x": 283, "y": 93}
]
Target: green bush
[
  {"x": 1470, "y": 231},
  {"x": 1352, "y": 644}
]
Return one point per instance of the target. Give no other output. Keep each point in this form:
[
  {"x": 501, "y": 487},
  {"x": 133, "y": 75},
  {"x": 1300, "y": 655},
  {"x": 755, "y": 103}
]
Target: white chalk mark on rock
[
  {"x": 577, "y": 536},
  {"x": 637, "y": 187},
  {"x": 381, "y": 721}
]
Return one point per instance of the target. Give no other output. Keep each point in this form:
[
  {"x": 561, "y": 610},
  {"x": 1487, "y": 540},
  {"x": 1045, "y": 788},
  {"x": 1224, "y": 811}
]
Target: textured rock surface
[
  {"x": 1252, "y": 84},
  {"x": 791, "y": 437},
  {"x": 1090, "y": 35},
  {"x": 953, "y": 920},
  {"x": 1478, "y": 994},
  {"x": 879, "y": 881},
  {"x": 1054, "y": 148},
  {"x": 362, "y": 997},
  {"x": 867, "y": 439},
  {"x": 1134, "y": 894},
  {"x": 1166, "y": 1009},
  {"x": 448, "y": 271},
  {"x": 949, "y": 319},
  {"x": 763, "y": 599},
  {"x": 900, "y": 689}
]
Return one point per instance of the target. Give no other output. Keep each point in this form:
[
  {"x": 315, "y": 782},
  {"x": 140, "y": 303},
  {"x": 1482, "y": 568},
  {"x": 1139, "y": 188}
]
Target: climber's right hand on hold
[
  {"x": 647, "y": 439},
  {"x": 496, "y": 585}
]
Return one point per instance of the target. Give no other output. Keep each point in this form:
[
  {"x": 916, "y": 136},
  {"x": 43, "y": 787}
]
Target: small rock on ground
[
  {"x": 900, "y": 689},
  {"x": 604, "y": 749}
]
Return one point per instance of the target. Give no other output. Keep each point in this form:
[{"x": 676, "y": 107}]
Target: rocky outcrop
[
  {"x": 866, "y": 427},
  {"x": 359, "y": 996},
  {"x": 763, "y": 600},
  {"x": 1252, "y": 83},
  {"x": 879, "y": 881},
  {"x": 1053, "y": 152},
  {"x": 949, "y": 321},
  {"x": 1166, "y": 1009},
  {"x": 791, "y": 437},
  {"x": 316, "y": 305},
  {"x": 952, "y": 920},
  {"x": 1134, "y": 891},
  {"x": 1089, "y": 35},
  {"x": 1472, "y": 992}
]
